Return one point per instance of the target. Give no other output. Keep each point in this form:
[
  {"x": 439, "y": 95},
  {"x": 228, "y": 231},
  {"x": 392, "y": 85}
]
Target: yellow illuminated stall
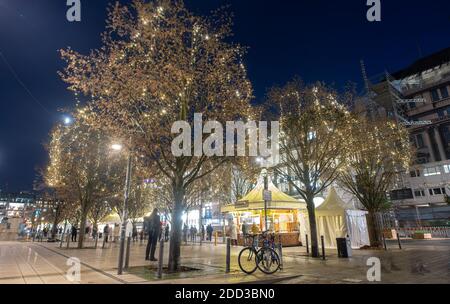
[{"x": 282, "y": 213}]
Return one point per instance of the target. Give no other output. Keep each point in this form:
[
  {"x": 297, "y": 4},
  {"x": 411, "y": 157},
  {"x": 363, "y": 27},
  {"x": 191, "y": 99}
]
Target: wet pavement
[{"x": 424, "y": 261}]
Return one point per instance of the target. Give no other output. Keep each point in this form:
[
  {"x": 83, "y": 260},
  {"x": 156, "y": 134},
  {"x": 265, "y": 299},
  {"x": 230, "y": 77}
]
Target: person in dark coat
[
  {"x": 141, "y": 236},
  {"x": 154, "y": 227},
  {"x": 185, "y": 232},
  {"x": 166, "y": 233},
  {"x": 202, "y": 232},
  {"x": 94, "y": 232},
  {"x": 74, "y": 233},
  {"x": 106, "y": 233},
  {"x": 209, "y": 231},
  {"x": 134, "y": 233}
]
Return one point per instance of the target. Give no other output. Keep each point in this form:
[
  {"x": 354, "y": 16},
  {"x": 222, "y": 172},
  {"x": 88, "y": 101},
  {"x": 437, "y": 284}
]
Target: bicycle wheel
[
  {"x": 247, "y": 260},
  {"x": 267, "y": 260}
]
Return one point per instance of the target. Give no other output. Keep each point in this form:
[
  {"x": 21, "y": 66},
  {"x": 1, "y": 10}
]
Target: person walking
[
  {"x": 74, "y": 233},
  {"x": 202, "y": 232},
  {"x": 209, "y": 231},
  {"x": 185, "y": 233},
  {"x": 116, "y": 233},
  {"x": 106, "y": 233},
  {"x": 134, "y": 234},
  {"x": 166, "y": 233},
  {"x": 154, "y": 227},
  {"x": 245, "y": 230},
  {"x": 141, "y": 236},
  {"x": 94, "y": 232},
  {"x": 233, "y": 234},
  {"x": 194, "y": 234}
]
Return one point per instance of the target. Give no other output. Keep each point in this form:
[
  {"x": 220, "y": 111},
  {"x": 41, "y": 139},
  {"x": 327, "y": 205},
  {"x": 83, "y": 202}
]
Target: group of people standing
[{"x": 192, "y": 233}]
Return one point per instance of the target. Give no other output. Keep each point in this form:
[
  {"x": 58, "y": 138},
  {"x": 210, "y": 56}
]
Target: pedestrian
[
  {"x": 116, "y": 233},
  {"x": 202, "y": 232},
  {"x": 233, "y": 234},
  {"x": 106, "y": 233},
  {"x": 94, "y": 232},
  {"x": 209, "y": 231},
  {"x": 166, "y": 233},
  {"x": 141, "y": 235},
  {"x": 45, "y": 231},
  {"x": 185, "y": 232},
  {"x": 244, "y": 230},
  {"x": 135, "y": 233},
  {"x": 254, "y": 229},
  {"x": 191, "y": 233},
  {"x": 74, "y": 233},
  {"x": 195, "y": 234},
  {"x": 154, "y": 227}
]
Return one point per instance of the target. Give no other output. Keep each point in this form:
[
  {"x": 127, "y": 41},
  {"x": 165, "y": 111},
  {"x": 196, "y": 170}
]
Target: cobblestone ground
[{"x": 39, "y": 262}]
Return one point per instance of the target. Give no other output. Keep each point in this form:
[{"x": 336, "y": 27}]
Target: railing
[{"x": 436, "y": 232}]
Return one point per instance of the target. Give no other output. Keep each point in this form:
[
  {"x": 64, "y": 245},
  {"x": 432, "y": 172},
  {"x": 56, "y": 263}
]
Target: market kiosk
[{"x": 282, "y": 213}]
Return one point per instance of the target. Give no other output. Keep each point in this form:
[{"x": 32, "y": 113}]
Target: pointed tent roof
[
  {"x": 333, "y": 204},
  {"x": 254, "y": 200},
  {"x": 256, "y": 195}
]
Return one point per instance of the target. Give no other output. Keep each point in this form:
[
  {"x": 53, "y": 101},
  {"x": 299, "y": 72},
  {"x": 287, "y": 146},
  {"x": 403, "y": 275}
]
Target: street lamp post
[
  {"x": 125, "y": 210},
  {"x": 266, "y": 188}
]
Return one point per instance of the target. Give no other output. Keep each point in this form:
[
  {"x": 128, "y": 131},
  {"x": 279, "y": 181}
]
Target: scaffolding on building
[{"x": 388, "y": 93}]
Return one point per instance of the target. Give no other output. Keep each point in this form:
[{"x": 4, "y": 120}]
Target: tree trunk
[
  {"x": 313, "y": 227},
  {"x": 374, "y": 235},
  {"x": 55, "y": 224},
  {"x": 176, "y": 231},
  {"x": 82, "y": 228}
]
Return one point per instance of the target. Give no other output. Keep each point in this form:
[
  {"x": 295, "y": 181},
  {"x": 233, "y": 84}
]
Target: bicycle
[{"x": 266, "y": 259}]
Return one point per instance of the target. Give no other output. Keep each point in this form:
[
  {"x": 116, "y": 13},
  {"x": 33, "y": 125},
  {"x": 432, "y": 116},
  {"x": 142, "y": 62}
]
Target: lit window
[
  {"x": 447, "y": 169},
  {"x": 431, "y": 171}
]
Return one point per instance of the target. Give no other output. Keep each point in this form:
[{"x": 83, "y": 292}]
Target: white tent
[{"x": 335, "y": 219}]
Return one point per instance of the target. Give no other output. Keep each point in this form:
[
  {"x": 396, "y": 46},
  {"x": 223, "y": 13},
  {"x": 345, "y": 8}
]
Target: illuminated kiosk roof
[{"x": 254, "y": 200}]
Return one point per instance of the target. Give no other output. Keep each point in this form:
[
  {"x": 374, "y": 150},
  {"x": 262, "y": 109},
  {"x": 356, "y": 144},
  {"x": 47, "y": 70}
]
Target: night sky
[{"x": 317, "y": 40}]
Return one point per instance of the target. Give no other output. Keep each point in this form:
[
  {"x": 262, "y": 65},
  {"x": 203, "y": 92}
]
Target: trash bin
[{"x": 344, "y": 247}]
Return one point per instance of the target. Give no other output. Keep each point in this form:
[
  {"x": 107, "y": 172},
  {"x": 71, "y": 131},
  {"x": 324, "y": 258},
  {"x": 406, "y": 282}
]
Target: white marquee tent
[{"x": 336, "y": 218}]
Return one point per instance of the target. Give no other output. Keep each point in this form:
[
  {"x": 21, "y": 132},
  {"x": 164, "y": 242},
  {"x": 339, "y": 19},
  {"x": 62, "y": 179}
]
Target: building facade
[{"x": 419, "y": 97}]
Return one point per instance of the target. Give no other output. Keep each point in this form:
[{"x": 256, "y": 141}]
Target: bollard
[
  {"x": 127, "y": 254},
  {"x": 307, "y": 244},
  {"x": 104, "y": 241},
  {"x": 96, "y": 241},
  {"x": 227, "y": 267},
  {"x": 323, "y": 247},
  {"x": 384, "y": 242},
  {"x": 215, "y": 238},
  {"x": 161, "y": 256},
  {"x": 398, "y": 240}
]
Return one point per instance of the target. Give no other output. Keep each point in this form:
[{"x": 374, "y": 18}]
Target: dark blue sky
[{"x": 316, "y": 39}]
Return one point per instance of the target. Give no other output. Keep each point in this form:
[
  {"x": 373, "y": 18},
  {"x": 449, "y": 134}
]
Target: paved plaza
[{"x": 45, "y": 263}]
